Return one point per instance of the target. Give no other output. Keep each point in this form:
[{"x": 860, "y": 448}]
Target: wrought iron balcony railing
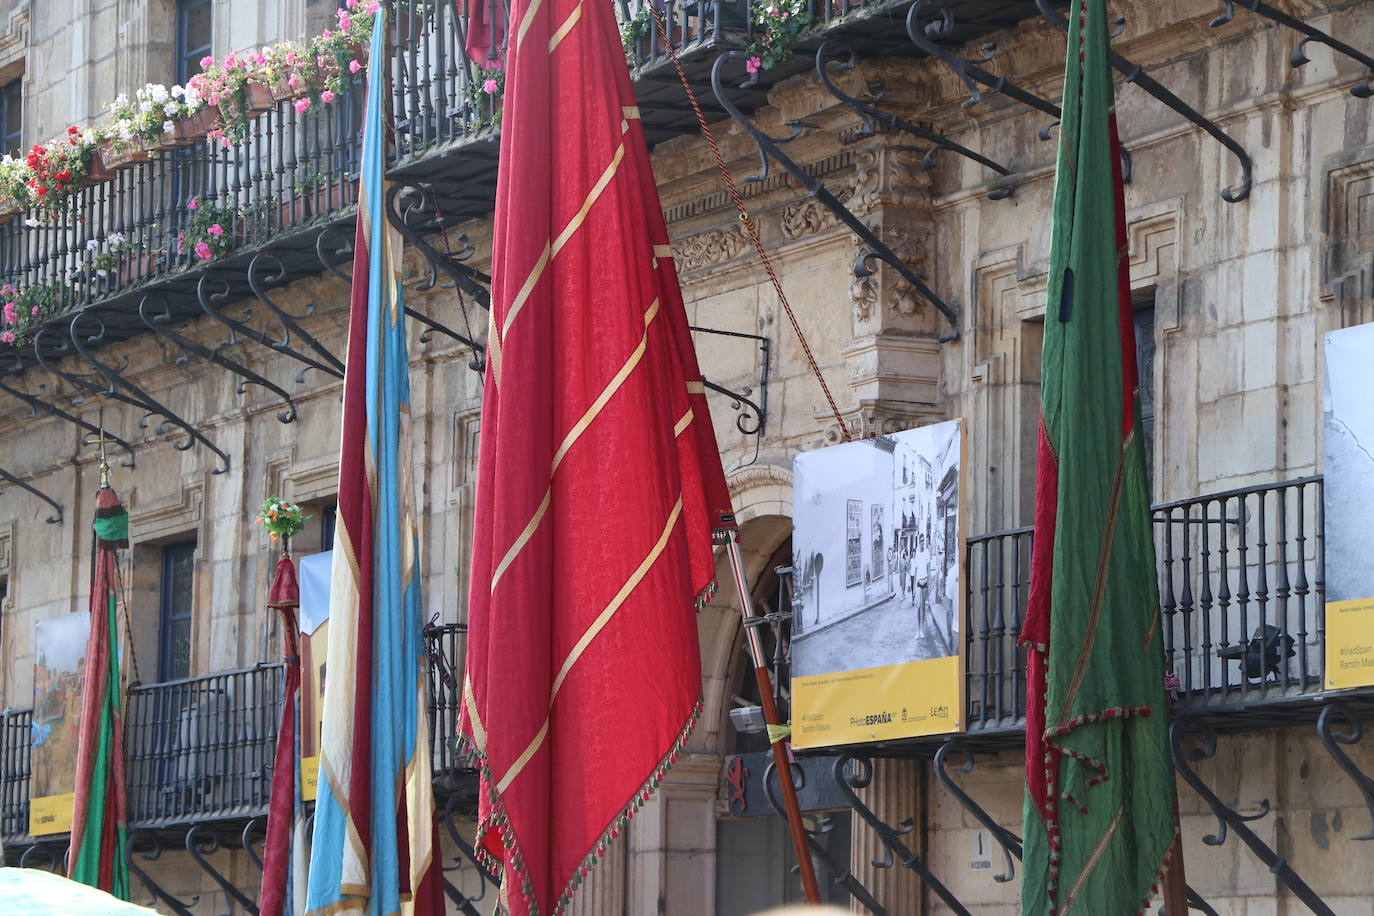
[
  {"x": 201, "y": 749},
  {"x": 1241, "y": 597}
]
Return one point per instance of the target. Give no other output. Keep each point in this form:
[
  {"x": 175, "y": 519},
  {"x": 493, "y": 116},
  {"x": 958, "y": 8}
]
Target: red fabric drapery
[{"x": 599, "y": 479}]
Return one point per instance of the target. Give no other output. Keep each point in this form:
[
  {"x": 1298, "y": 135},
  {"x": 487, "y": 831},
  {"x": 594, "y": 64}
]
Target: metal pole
[{"x": 770, "y": 715}]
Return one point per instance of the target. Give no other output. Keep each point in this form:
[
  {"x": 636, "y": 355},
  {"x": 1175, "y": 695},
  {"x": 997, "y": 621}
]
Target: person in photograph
[
  {"x": 952, "y": 605},
  {"x": 920, "y": 576}
]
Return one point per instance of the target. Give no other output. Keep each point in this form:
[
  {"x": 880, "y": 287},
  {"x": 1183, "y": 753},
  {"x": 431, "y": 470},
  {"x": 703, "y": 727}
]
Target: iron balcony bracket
[
  {"x": 179, "y": 907},
  {"x": 56, "y": 863},
  {"x": 418, "y": 217},
  {"x": 1008, "y": 841},
  {"x": 51, "y": 519},
  {"x": 839, "y": 870},
  {"x": 753, "y": 415},
  {"x": 1332, "y": 740},
  {"x": 768, "y": 147},
  {"x": 115, "y": 386},
  {"x": 201, "y": 846},
  {"x": 467, "y": 854},
  {"x": 258, "y": 283},
  {"x": 968, "y": 71},
  {"x": 37, "y": 404},
  {"x": 1134, "y": 73},
  {"x": 342, "y": 251},
  {"x": 853, "y": 772},
  {"x": 870, "y": 113},
  {"x": 161, "y": 323},
  {"x": 1229, "y": 818},
  {"x": 1361, "y": 90},
  {"x": 212, "y": 303},
  {"x": 258, "y": 823}
]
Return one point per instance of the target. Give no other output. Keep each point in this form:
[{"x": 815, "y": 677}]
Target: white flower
[
  {"x": 170, "y": 109},
  {"x": 31, "y": 223},
  {"x": 114, "y": 238},
  {"x": 168, "y": 127},
  {"x": 102, "y": 272},
  {"x": 121, "y": 99},
  {"x": 159, "y": 93},
  {"x": 178, "y": 91},
  {"x": 92, "y": 244},
  {"x": 88, "y": 137},
  {"x": 145, "y": 106}
]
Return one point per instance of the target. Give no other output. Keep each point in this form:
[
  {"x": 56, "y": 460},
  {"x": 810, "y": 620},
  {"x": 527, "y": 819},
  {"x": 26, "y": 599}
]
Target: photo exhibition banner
[
  {"x": 878, "y": 609},
  {"x": 1348, "y": 490},
  {"x": 59, "y": 674}
]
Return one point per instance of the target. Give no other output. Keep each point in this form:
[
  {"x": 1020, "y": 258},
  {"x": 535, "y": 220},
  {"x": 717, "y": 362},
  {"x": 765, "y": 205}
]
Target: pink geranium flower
[
  {"x": 7, "y": 337},
  {"x": 753, "y": 64},
  {"x": 302, "y": 106},
  {"x": 34, "y": 311},
  {"x": 489, "y": 87},
  {"x": 10, "y": 317},
  {"x": 344, "y": 20},
  {"x": 216, "y": 230},
  {"x": 203, "y": 251},
  {"x": 354, "y": 66},
  {"x": 194, "y": 204},
  {"x": 327, "y": 96}
]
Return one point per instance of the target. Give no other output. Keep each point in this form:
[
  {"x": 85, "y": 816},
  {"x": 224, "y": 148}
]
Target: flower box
[
  {"x": 282, "y": 91},
  {"x": 9, "y": 208},
  {"x": 242, "y": 107},
  {"x": 115, "y": 157},
  {"x": 194, "y": 128},
  {"x": 97, "y": 171}
]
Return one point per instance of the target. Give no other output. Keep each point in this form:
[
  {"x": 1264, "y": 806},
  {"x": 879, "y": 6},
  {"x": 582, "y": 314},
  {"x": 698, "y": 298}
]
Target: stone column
[
  {"x": 603, "y": 893},
  {"x": 672, "y": 843},
  {"x": 893, "y": 362},
  {"x": 894, "y": 795}
]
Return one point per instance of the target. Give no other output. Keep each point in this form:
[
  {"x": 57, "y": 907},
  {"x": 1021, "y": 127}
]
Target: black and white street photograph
[{"x": 876, "y": 552}]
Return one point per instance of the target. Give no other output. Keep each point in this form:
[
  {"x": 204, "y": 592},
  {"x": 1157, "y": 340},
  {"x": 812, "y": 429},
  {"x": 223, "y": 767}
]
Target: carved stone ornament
[
  {"x": 873, "y": 419},
  {"x": 709, "y": 248},
  {"x": 808, "y": 217}
]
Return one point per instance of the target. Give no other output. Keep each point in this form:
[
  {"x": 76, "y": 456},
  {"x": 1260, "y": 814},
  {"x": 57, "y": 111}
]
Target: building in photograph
[{"x": 217, "y": 381}]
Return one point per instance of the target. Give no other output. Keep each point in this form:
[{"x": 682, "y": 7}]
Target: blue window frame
[
  {"x": 12, "y": 116},
  {"x": 176, "y": 599},
  {"x": 195, "y": 36}
]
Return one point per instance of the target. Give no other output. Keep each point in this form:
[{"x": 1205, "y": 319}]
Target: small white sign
[{"x": 980, "y": 851}]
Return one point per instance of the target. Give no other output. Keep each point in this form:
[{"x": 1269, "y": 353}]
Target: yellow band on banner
[
  {"x": 877, "y": 704},
  {"x": 310, "y": 777},
  {"x": 1350, "y": 643},
  {"x": 51, "y": 814}
]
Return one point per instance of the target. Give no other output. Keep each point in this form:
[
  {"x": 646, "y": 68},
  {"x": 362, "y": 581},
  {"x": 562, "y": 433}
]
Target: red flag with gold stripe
[{"x": 599, "y": 481}]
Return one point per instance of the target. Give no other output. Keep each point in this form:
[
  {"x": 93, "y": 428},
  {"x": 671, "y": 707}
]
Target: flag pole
[
  {"x": 770, "y": 715},
  {"x": 1175, "y": 881}
]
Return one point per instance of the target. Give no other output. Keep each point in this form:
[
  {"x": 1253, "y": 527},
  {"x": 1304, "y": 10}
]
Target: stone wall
[{"x": 1242, "y": 294}]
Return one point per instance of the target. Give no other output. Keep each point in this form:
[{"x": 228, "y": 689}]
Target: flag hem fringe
[{"x": 501, "y": 821}]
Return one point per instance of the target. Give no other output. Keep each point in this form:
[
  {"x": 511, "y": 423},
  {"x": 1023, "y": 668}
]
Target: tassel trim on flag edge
[
  {"x": 1051, "y": 812},
  {"x": 1164, "y": 867},
  {"x": 501, "y": 822}
]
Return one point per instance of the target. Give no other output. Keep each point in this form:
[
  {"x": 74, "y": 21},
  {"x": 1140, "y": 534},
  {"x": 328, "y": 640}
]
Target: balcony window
[
  {"x": 195, "y": 36},
  {"x": 174, "y": 617},
  {"x": 12, "y": 116}
]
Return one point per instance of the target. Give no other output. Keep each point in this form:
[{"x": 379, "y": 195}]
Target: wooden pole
[{"x": 782, "y": 764}]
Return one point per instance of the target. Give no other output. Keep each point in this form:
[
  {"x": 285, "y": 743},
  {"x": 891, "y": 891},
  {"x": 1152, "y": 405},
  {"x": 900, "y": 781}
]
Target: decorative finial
[{"x": 104, "y": 462}]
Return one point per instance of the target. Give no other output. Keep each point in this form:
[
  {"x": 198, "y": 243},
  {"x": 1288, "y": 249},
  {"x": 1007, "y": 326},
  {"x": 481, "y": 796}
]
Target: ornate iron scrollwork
[
  {"x": 768, "y": 148},
  {"x": 261, "y": 276},
  {"x": 1332, "y": 740},
  {"x": 212, "y": 304},
  {"x": 853, "y": 772},
  {"x": 51, "y": 519},
  {"x": 753, "y": 415},
  {"x": 839, "y": 870},
  {"x": 37, "y": 404},
  {"x": 114, "y": 385},
  {"x": 161, "y": 323},
  {"x": 160, "y": 895},
  {"x": 1135, "y": 74},
  {"x": 256, "y": 825},
  {"x": 1230, "y": 819},
  {"x": 56, "y": 863},
  {"x": 200, "y": 846},
  {"x": 870, "y": 112},
  {"x": 1361, "y": 90},
  {"x": 1008, "y": 841},
  {"x": 467, "y": 854}
]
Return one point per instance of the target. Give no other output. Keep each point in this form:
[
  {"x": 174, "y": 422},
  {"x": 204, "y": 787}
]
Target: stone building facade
[{"x": 1233, "y": 301}]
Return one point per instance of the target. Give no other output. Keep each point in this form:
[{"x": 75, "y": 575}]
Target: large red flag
[
  {"x": 599, "y": 481},
  {"x": 285, "y": 597}
]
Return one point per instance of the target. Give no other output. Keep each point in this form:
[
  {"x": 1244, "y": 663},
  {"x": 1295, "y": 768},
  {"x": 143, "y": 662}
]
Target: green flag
[{"x": 1099, "y": 816}]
